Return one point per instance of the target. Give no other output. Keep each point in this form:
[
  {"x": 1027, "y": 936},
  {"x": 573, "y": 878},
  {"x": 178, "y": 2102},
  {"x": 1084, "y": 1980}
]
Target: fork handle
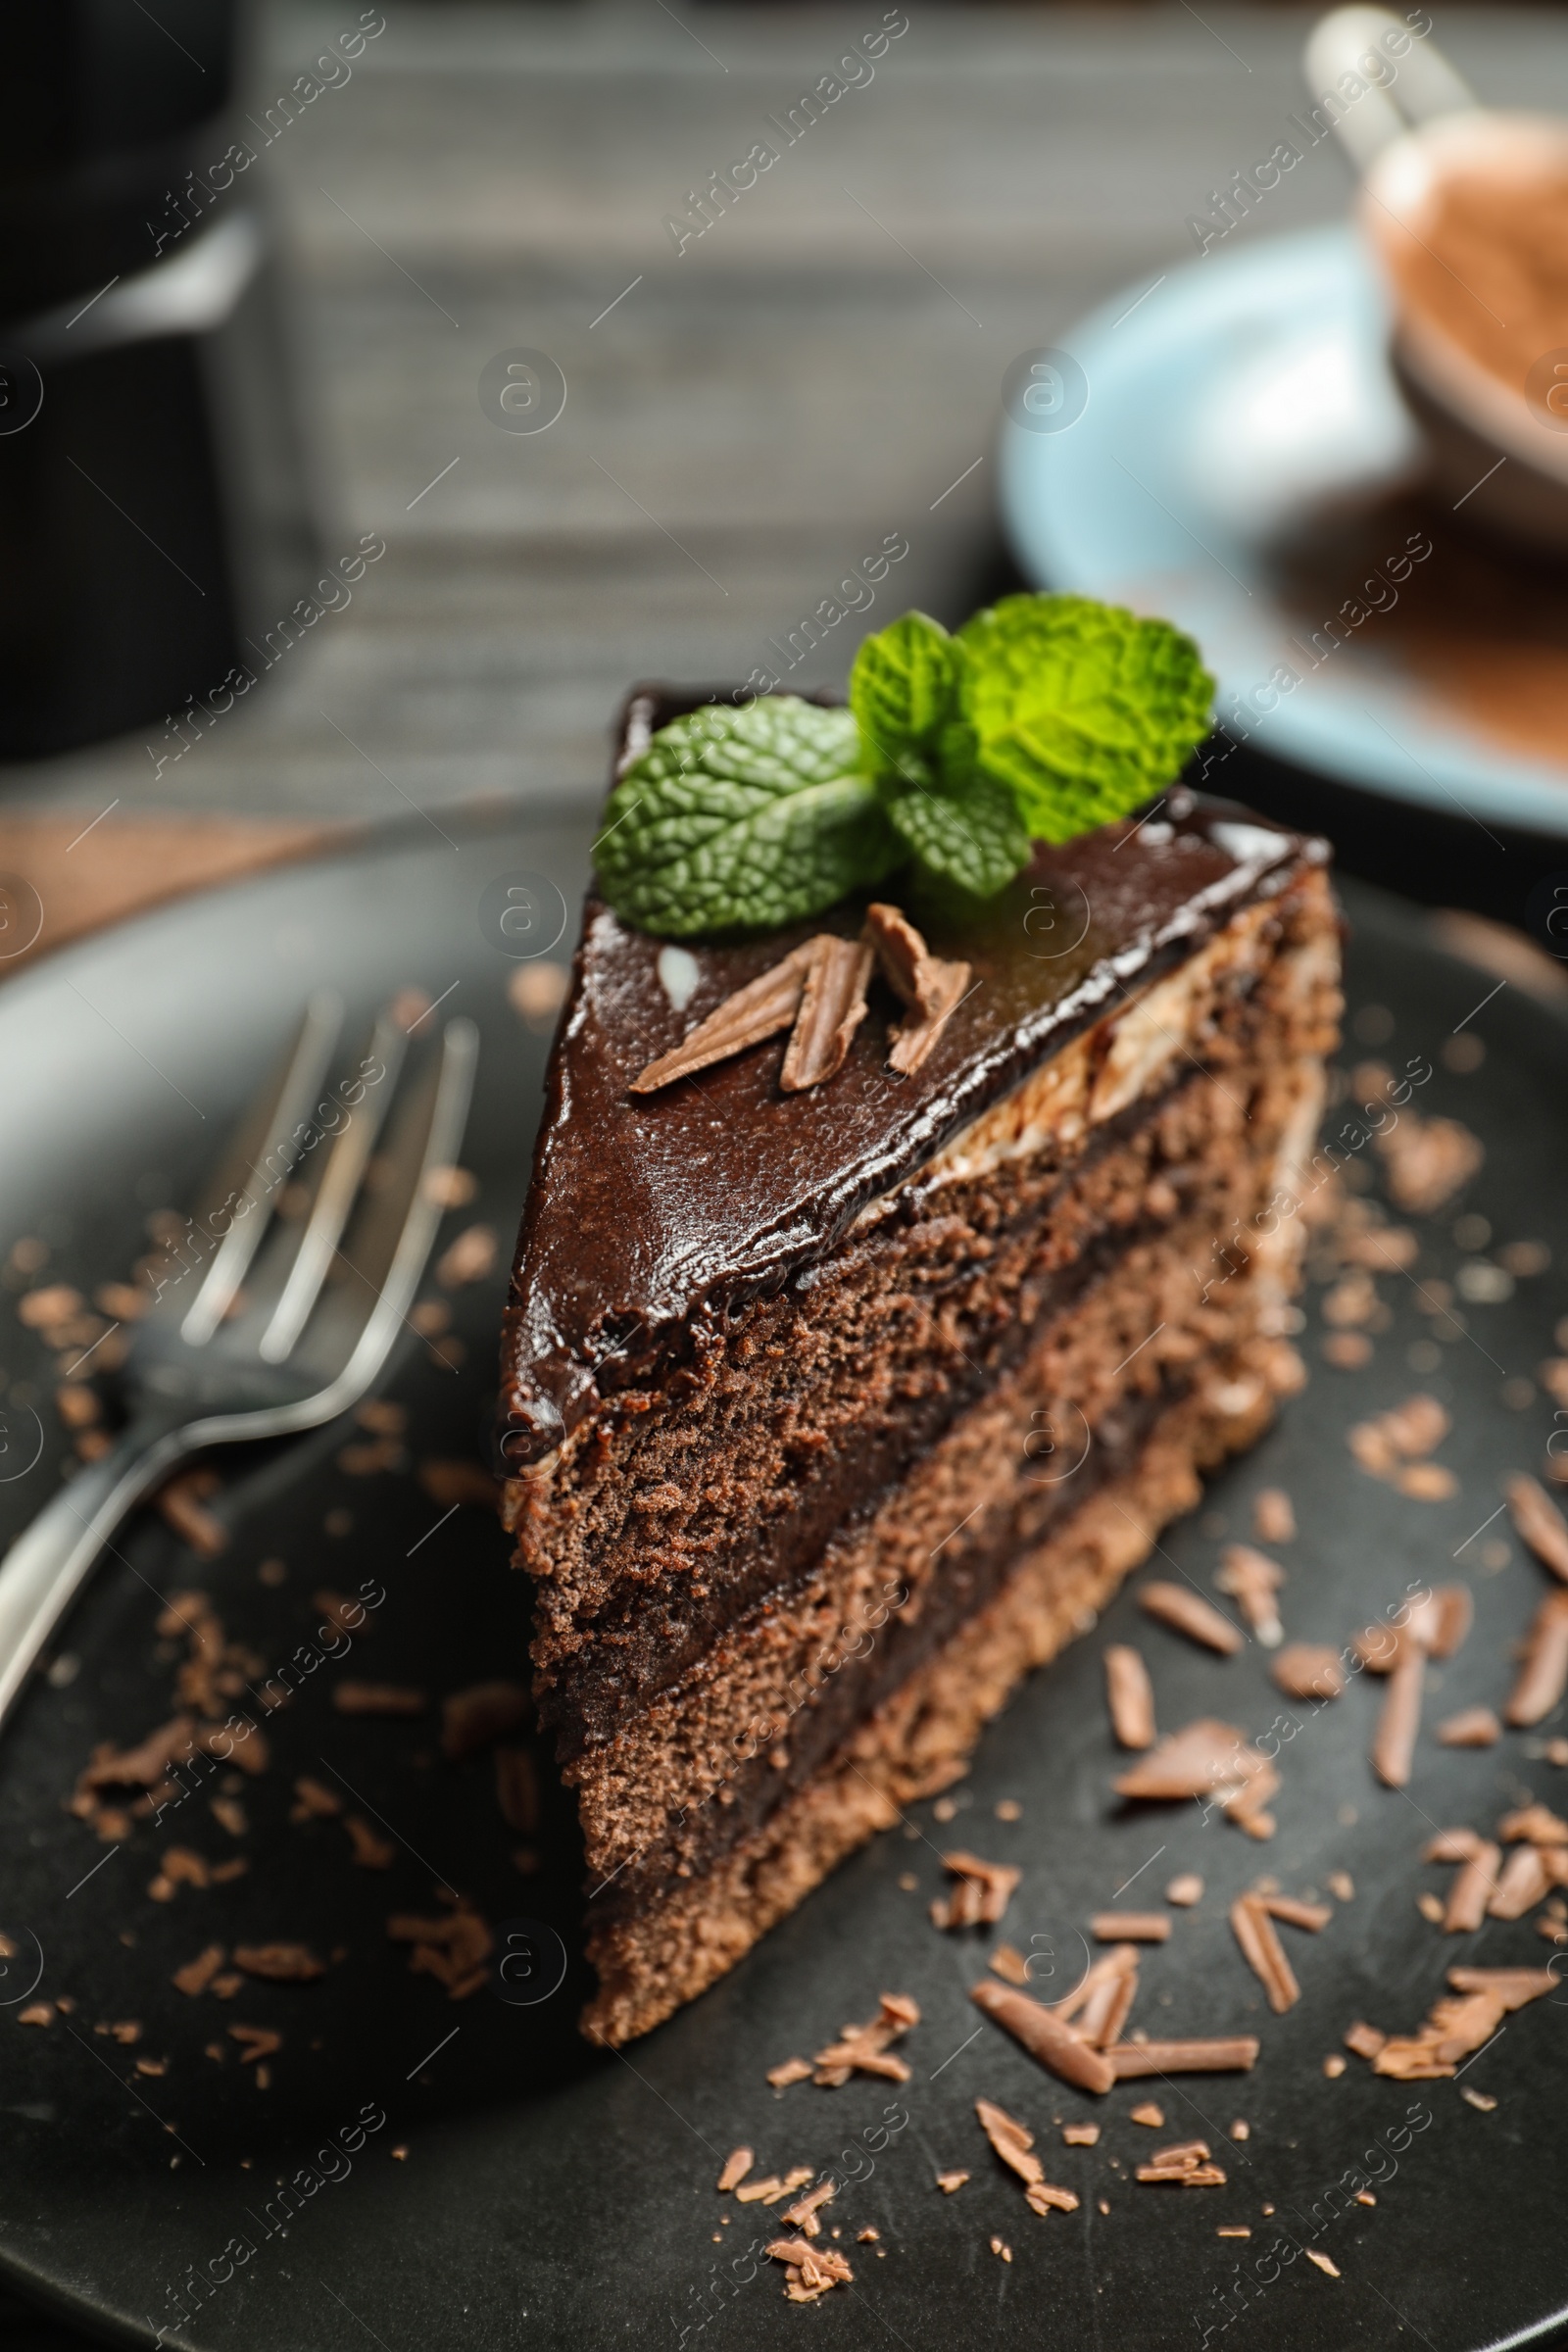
[{"x": 48, "y": 1564}]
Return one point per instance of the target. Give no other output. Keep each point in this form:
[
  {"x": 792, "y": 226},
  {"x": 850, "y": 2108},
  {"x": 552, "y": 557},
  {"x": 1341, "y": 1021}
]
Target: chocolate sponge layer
[{"x": 788, "y": 1570}]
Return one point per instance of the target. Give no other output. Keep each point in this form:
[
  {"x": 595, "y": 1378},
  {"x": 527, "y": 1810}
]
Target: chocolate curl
[
  {"x": 1235, "y": 2054},
  {"x": 1543, "y": 1672},
  {"x": 1045, "y": 2037},
  {"x": 931, "y": 989},
  {"x": 755, "y": 1012},
  {"x": 1264, "y": 1953},
  {"x": 1191, "y": 1614},
  {"x": 1539, "y": 1523},
  {"x": 832, "y": 1008},
  {"x": 1131, "y": 1697}
]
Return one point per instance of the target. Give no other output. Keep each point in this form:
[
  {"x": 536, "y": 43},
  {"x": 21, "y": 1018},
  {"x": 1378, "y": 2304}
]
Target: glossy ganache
[{"x": 687, "y": 1203}]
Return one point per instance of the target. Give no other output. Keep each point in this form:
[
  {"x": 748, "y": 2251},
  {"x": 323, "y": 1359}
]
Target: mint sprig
[{"x": 1043, "y": 717}]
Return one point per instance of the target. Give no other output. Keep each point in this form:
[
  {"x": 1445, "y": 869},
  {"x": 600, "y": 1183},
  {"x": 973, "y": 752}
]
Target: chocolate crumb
[
  {"x": 1365, "y": 2041},
  {"x": 1080, "y": 2135},
  {"x": 793, "y": 2070},
  {"x": 1147, "y": 2112},
  {"x": 1480, "y": 2100},
  {"x": 948, "y": 2181},
  {"x": 1241, "y": 2129},
  {"x": 1308, "y": 1670},
  {"x": 1000, "y": 2246},
  {"x": 1333, "y": 2065},
  {"x": 1322, "y": 2261},
  {"x": 1185, "y": 1889},
  {"x": 1010, "y": 1963}
]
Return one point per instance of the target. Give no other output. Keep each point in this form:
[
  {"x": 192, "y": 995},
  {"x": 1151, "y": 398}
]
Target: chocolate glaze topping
[{"x": 646, "y": 1212}]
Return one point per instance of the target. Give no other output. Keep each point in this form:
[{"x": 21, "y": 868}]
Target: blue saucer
[{"x": 1239, "y": 394}]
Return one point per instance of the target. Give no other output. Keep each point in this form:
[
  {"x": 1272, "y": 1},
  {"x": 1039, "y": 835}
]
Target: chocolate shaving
[
  {"x": 1045, "y": 2037},
  {"x": 1309, "y": 1670},
  {"x": 1312, "y": 1916},
  {"x": 1202, "y": 1757},
  {"x": 196, "y": 1975},
  {"x": 471, "y": 1719},
  {"x": 454, "y": 1948},
  {"x": 1524, "y": 1881},
  {"x": 737, "y": 2163},
  {"x": 1131, "y": 1697},
  {"x": 832, "y": 1007},
  {"x": 802, "y": 2213},
  {"x": 256, "y": 2041},
  {"x": 1538, "y": 1522},
  {"x": 1235, "y": 2054},
  {"x": 930, "y": 988},
  {"x": 863, "y": 2049},
  {"x": 372, "y": 1851},
  {"x": 1129, "y": 1927},
  {"x": 950, "y": 2182},
  {"x": 1536, "y": 1824},
  {"x": 1273, "y": 1517},
  {"x": 810, "y": 2271},
  {"x": 754, "y": 1013},
  {"x": 1251, "y": 1579},
  {"x": 1472, "y": 1726},
  {"x": 1187, "y": 2163},
  {"x": 764, "y": 2191},
  {"x": 1103, "y": 2016},
  {"x": 279, "y": 1963},
  {"x": 982, "y": 1894},
  {"x": 1453, "y": 1845},
  {"x": 1191, "y": 1614},
  {"x": 378, "y": 1698},
  {"x": 1472, "y": 1891},
  {"x": 1365, "y": 2041},
  {"x": 1393, "y": 1745},
  {"x": 1264, "y": 1953},
  {"x": 1013, "y": 2144},
  {"x": 1543, "y": 1672},
  {"x": 793, "y": 2070},
  {"x": 1010, "y": 1963}
]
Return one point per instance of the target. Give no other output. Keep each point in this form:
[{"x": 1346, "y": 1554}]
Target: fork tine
[
  {"x": 390, "y": 1242},
  {"x": 335, "y": 1196},
  {"x": 258, "y": 1161}
]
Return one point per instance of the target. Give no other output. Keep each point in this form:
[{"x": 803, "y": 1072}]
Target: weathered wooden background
[{"x": 757, "y": 413}]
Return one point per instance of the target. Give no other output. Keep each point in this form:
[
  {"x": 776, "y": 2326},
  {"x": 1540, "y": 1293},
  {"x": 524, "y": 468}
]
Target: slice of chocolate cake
[{"x": 830, "y": 1412}]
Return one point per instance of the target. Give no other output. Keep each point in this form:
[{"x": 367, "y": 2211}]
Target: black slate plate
[{"x": 551, "y": 2195}]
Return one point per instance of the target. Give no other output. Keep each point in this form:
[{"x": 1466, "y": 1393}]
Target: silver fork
[{"x": 253, "y": 1340}]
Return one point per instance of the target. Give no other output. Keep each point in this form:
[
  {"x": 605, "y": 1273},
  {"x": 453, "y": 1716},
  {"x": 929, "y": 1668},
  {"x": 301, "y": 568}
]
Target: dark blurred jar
[{"x": 153, "y": 509}]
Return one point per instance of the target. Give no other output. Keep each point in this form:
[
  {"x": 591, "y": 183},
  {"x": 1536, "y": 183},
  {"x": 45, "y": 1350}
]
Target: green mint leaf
[
  {"x": 972, "y": 835},
  {"x": 1082, "y": 709},
  {"x": 743, "y": 819},
  {"x": 902, "y": 690}
]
